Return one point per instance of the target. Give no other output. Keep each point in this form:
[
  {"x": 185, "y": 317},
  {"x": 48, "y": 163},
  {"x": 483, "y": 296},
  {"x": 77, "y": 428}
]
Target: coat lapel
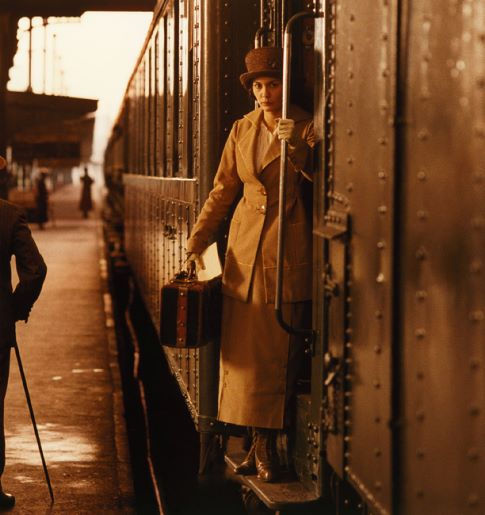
[{"x": 247, "y": 142}]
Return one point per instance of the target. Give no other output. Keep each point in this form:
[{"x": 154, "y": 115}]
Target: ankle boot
[
  {"x": 267, "y": 464},
  {"x": 247, "y": 467},
  {"x": 7, "y": 501}
]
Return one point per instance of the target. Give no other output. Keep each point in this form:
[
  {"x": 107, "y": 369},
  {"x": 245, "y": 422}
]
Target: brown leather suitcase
[{"x": 190, "y": 311}]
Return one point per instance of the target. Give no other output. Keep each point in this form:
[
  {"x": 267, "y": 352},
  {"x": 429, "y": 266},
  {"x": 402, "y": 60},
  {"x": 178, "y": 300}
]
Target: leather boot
[
  {"x": 7, "y": 501},
  {"x": 267, "y": 464},
  {"x": 247, "y": 467}
]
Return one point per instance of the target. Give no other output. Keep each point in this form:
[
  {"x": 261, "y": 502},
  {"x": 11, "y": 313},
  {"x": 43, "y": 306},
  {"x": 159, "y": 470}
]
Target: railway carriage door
[{"x": 353, "y": 227}]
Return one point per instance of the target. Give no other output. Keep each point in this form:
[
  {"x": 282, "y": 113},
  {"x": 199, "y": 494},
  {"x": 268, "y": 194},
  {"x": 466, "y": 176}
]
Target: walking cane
[{"x": 32, "y": 417}]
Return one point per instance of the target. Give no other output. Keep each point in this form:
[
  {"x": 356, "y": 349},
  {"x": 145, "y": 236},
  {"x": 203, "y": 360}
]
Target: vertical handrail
[{"x": 283, "y": 170}]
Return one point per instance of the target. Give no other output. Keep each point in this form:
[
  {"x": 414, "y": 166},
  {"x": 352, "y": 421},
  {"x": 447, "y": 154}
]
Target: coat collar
[{"x": 247, "y": 143}]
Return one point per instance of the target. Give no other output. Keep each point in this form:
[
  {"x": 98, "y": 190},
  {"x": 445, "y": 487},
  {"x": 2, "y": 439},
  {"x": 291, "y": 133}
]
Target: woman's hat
[
  {"x": 3, "y": 163},
  {"x": 262, "y": 62}
]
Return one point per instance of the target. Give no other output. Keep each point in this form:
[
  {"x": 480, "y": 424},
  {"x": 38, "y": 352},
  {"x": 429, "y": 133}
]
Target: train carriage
[{"x": 392, "y": 411}]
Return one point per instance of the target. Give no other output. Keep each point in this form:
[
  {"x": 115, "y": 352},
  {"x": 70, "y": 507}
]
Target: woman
[
  {"x": 258, "y": 359},
  {"x": 86, "y": 203}
]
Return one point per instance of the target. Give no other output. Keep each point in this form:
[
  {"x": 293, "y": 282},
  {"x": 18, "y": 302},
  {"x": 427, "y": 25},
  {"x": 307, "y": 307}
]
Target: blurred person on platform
[
  {"x": 42, "y": 199},
  {"x": 15, "y": 240},
  {"x": 5, "y": 179},
  {"x": 86, "y": 202}
]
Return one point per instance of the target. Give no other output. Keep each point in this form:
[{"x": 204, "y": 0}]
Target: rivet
[
  {"x": 473, "y": 454},
  {"x": 381, "y": 245},
  {"x": 385, "y": 72},
  {"x": 473, "y": 500},
  {"x": 476, "y": 316},
  {"x": 377, "y": 452},
  {"x": 421, "y": 295},
  {"x": 382, "y": 210},
  {"x": 350, "y": 132},
  {"x": 352, "y": 17},
  {"x": 351, "y": 74},
  {"x": 420, "y": 333},
  {"x": 377, "y": 485},
  {"x": 423, "y": 135},
  {"x": 422, "y": 215},
  {"x": 477, "y": 222},
  {"x": 474, "y": 411},
  {"x": 421, "y": 254},
  {"x": 351, "y": 47},
  {"x": 419, "y": 493},
  {"x": 377, "y": 349},
  {"x": 420, "y": 454},
  {"x": 474, "y": 363},
  {"x": 422, "y": 175},
  {"x": 380, "y": 278},
  {"x": 420, "y": 415},
  {"x": 476, "y": 266},
  {"x": 377, "y": 420},
  {"x": 382, "y": 176},
  {"x": 478, "y": 177},
  {"x": 350, "y": 103},
  {"x": 350, "y": 187},
  {"x": 420, "y": 375},
  {"x": 382, "y": 141},
  {"x": 350, "y": 160},
  {"x": 479, "y": 132},
  {"x": 347, "y": 439},
  {"x": 378, "y": 314},
  {"x": 376, "y": 384}
]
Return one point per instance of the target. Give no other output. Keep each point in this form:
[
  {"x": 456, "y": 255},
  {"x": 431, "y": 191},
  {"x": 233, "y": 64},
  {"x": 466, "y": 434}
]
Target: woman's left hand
[{"x": 286, "y": 130}]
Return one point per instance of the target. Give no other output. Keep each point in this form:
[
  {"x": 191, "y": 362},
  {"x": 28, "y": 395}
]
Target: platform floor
[{"x": 69, "y": 356}]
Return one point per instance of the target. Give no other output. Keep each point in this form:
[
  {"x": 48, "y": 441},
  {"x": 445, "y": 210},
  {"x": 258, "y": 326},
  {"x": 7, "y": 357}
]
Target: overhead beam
[{"x": 71, "y": 7}]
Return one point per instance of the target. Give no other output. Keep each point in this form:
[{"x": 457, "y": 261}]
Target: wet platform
[{"x": 69, "y": 354}]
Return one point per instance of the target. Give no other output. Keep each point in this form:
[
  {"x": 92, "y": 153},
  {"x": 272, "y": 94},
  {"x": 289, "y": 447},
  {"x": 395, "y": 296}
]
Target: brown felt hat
[
  {"x": 3, "y": 163},
  {"x": 262, "y": 62}
]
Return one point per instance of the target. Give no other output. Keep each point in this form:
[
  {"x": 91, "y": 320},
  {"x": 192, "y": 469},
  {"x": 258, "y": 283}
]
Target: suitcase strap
[{"x": 182, "y": 304}]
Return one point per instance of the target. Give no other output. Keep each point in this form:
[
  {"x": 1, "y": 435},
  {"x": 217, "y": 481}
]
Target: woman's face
[{"x": 269, "y": 93}]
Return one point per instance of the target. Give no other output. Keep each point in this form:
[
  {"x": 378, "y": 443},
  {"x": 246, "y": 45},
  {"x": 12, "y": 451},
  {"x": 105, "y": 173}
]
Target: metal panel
[
  {"x": 360, "y": 185},
  {"x": 443, "y": 254}
]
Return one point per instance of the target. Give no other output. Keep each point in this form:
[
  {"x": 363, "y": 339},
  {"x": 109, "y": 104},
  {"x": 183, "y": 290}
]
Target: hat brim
[
  {"x": 3, "y": 163},
  {"x": 247, "y": 78}
]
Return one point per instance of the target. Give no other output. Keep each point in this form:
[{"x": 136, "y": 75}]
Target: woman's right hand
[{"x": 196, "y": 260}]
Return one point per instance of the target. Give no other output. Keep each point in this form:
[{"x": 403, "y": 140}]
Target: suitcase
[{"x": 190, "y": 311}]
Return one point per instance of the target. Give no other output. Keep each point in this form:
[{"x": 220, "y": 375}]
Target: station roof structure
[
  {"x": 57, "y": 131},
  {"x": 12, "y": 10}
]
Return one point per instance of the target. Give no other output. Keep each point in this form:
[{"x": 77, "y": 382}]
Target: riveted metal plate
[
  {"x": 443, "y": 248},
  {"x": 360, "y": 144}
]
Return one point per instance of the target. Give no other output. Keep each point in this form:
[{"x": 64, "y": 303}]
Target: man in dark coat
[{"x": 15, "y": 240}]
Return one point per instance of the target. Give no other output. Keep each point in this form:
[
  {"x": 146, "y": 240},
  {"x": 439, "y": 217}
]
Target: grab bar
[{"x": 282, "y": 184}]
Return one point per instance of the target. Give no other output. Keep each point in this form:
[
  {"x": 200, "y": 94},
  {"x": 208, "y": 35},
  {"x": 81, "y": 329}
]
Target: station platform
[{"x": 68, "y": 349}]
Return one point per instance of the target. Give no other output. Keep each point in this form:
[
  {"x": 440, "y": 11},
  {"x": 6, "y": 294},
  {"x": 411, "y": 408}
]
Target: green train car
[{"x": 390, "y": 410}]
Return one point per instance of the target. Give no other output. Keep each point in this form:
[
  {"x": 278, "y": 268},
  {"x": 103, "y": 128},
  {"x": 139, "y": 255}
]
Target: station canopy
[{"x": 56, "y": 131}]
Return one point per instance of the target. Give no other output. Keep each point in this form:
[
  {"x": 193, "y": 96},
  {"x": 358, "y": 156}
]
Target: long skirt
[{"x": 259, "y": 361}]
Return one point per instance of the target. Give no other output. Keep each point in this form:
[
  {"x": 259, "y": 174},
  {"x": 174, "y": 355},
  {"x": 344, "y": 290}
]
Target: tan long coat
[{"x": 254, "y": 350}]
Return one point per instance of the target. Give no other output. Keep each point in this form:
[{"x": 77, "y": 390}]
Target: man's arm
[{"x": 31, "y": 269}]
